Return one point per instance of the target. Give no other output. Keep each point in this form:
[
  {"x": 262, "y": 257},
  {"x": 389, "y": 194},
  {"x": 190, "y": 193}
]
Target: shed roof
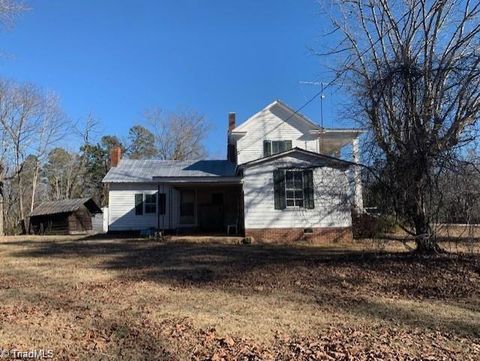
[
  {"x": 65, "y": 206},
  {"x": 133, "y": 170}
]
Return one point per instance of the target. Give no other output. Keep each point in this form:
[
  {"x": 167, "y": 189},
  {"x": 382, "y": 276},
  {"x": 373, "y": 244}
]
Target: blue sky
[{"x": 115, "y": 58}]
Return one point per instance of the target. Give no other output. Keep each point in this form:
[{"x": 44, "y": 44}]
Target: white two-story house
[{"x": 283, "y": 181}]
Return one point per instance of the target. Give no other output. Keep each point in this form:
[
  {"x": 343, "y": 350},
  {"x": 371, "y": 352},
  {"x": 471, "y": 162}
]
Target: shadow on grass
[
  {"x": 319, "y": 272},
  {"x": 201, "y": 263}
]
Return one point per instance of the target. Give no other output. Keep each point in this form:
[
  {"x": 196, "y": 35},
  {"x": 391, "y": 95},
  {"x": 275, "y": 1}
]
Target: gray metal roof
[
  {"x": 133, "y": 170},
  {"x": 64, "y": 206}
]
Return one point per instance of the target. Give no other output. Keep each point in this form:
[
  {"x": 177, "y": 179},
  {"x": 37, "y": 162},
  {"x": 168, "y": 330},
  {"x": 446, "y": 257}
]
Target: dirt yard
[{"x": 126, "y": 299}]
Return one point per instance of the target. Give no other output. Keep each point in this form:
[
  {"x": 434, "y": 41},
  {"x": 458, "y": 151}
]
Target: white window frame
[
  {"x": 294, "y": 190},
  {"x": 277, "y": 141},
  {"x": 145, "y": 213}
]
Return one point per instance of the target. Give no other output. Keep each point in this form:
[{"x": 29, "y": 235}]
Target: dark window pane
[
  {"x": 138, "y": 204},
  {"x": 149, "y": 198},
  {"x": 299, "y": 194},
  {"x": 150, "y": 208},
  {"x": 281, "y": 147},
  {"x": 300, "y": 203},
  {"x": 275, "y": 148},
  {"x": 290, "y": 194},
  {"x": 289, "y": 179},
  {"x": 298, "y": 180},
  {"x": 150, "y": 203},
  {"x": 290, "y": 202}
]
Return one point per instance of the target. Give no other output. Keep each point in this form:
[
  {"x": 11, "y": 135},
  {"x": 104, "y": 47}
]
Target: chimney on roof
[
  {"x": 231, "y": 145},
  {"x": 115, "y": 156},
  {"x": 231, "y": 122}
]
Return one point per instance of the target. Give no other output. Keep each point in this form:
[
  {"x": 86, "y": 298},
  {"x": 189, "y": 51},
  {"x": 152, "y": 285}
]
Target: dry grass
[{"x": 134, "y": 299}]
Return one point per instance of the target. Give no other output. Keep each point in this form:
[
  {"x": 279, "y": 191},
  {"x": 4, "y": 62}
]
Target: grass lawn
[{"x": 112, "y": 299}]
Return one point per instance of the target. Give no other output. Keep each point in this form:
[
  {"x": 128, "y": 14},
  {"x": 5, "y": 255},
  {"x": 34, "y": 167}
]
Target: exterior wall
[
  {"x": 50, "y": 224},
  {"x": 80, "y": 221},
  {"x": 332, "y": 203},
  {"x": 122, "y": 215},
  {"x": 289, "y": 235},
  {"x": 270, "y": 125}
]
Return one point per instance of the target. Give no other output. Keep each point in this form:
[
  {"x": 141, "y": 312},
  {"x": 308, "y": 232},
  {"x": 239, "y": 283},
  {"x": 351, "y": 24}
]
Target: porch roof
[
  {"x": 313, "y": 155},
  {"x": 154, "y": 170}
]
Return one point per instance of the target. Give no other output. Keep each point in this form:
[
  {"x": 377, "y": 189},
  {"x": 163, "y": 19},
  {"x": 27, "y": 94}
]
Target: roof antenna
[{"x": 322, "y": 96}]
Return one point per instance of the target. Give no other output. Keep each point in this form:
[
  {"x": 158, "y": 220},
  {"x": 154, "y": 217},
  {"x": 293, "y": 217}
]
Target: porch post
[
  {"x": 358, "y": 199},
  {"x": 156, "y": 207}
]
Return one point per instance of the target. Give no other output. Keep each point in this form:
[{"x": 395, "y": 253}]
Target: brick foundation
[{"x": 289, "y": 235}]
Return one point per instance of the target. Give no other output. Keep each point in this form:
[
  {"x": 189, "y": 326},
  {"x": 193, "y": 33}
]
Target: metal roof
[
  {"x": 64, "y": 206},
  {"x": 133, "y": 170}
]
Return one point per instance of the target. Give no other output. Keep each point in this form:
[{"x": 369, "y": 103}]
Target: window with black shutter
[
  {"x": 293, "y": 189},
  {"x": 138, "y": 204},
  {"x": 162, "y": 203}
]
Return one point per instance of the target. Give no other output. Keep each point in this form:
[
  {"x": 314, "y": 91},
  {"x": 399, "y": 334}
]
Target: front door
[{"x": 187, "y": 207}]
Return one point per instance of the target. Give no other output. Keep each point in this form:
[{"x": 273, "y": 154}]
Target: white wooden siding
[
  {"x": 332, "y": 204},
  {"x": 122, "y": 215},
  {"x": 270, "y": 124}
]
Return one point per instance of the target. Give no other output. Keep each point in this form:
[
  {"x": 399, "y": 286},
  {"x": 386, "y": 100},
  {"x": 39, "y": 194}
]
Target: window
[
  {"x": 147, "y": 204},
  {"x": 138, "y": 204},
  {"x": 150, "y": 203},
  {"x": 294, "y": 188},
  {"x": 275, "y": 146}
]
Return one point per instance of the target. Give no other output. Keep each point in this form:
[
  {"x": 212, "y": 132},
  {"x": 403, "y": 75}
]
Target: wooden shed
[{"x": 68, "y": 216}]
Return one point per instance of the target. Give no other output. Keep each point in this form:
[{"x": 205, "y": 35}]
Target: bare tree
[
  {"x": 51, "y": 128},
  {"x": 9, "y": 10},
  {"x": 412, "y": 67},
  {"x": 30, "y": 123},
  {"x": 178, "y": 136}
]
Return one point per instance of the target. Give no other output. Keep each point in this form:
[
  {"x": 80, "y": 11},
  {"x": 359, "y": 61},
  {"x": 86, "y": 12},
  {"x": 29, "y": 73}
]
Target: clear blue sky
[{"x": 115, "y": 58}]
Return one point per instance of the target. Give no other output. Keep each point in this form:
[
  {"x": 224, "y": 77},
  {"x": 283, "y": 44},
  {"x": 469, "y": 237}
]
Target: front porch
[{"x": 210, "y": 209}]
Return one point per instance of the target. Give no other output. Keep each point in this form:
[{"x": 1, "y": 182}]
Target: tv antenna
[{"x": 322, "y": 96}]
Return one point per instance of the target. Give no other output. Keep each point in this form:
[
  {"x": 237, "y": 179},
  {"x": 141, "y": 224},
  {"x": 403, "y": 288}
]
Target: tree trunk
[
  {"x": 2, "y": 231},
  {"x": 425, "y": 239},
  {"x": 34, "y": 187}
]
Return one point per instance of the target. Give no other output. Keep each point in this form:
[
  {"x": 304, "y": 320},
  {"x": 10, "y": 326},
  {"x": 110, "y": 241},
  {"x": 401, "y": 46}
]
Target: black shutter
[
  {"x": 162, "y": 203},
  {"x": 308, "y": 189},
  {"x": 138, "y": 204},
  {"x": 267, "y": 148},
  {"x": 279, "y": 188}
]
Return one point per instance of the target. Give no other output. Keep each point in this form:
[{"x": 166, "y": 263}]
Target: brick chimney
[
  {"x": 231, "y": 147},
  {"x": 115, "y": 156}
]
